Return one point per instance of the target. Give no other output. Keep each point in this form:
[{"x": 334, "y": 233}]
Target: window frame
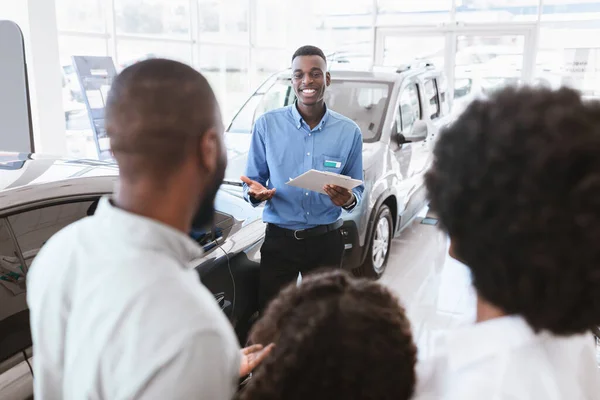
[
  {"x": 27, "y": 207},
  {"x": 445, "y": 101},
  {"x": 438, "y": 113},
  {"x": 31, "y": 206},
  {"x": 399, "y": 109},
  {"x": 48, "y": 202}
]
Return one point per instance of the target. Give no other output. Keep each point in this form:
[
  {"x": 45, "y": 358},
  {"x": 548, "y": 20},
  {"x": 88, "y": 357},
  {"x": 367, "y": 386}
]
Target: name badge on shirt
[{"x": 332, "y": 164}]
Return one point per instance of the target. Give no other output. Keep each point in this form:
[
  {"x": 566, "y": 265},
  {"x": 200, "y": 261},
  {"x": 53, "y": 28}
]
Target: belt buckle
[{"x": 296, "y": 234}]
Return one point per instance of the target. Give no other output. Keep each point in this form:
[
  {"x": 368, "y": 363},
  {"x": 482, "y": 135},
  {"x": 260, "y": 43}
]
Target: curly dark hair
[
  {"x": 335, "y": 338},
  {"x": 516, "y": 184}
]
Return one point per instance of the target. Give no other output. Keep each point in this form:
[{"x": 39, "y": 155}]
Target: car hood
[
  {"x": 232, "y": 204},
  {"x": 28, "y": 178},
  {"x": 22, "y": 169}
]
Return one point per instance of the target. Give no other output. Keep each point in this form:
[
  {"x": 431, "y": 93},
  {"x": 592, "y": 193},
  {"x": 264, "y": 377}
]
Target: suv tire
[{"x": 379, "y": 247}]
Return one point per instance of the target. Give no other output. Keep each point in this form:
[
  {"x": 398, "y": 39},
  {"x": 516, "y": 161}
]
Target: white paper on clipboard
[{"x": 315, "y": 181}]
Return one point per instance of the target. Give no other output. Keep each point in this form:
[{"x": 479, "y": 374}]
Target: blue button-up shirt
[{"x": 284, "y": 147}]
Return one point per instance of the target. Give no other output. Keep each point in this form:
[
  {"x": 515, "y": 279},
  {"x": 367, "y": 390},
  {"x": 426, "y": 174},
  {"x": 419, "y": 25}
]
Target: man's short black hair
[
  {"x": 335, "y": 338},
  {"x": 154, "y": 108},
  {"x": 516, "y": 184},
  {"x": 309, "y": 51}
]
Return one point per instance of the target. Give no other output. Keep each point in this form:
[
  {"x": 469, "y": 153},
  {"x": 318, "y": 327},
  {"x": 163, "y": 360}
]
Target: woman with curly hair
[
  {"x": 335, "y": 338},
  {"x": 516, "y": 185}
]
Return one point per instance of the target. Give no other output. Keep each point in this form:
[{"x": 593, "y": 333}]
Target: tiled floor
[{"x": 434, "y": 288}]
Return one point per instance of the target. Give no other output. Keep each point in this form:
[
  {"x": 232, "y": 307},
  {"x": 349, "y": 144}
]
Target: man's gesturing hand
[
  {"x": 339, "y": 195},
  {"x": 252, "y": 356},
  {"x": 258, "y": 191}
]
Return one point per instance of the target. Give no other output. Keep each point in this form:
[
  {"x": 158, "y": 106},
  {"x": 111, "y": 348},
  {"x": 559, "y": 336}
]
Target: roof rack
[
  {"x": 344, "y": 56},
  {"x": 341, "y": 57},
  {"x": 417, "y": 64},
  {"x": 348, "y": 60}
]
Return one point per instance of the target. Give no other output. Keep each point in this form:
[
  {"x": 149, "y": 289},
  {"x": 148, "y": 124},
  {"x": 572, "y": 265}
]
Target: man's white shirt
[
  {"x": 504, "y": 359},
  {"x": 118, "y": 313}
]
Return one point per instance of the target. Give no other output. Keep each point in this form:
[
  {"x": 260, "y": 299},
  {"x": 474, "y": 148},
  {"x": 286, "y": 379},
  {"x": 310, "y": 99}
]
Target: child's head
[{"x": 335, "y": 338}]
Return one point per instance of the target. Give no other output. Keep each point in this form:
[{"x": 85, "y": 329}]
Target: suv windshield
[{"x": 365, "y": 102}]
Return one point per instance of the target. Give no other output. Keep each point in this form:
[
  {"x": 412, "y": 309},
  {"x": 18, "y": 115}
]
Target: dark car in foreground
[
  {"x": 40, "y": 196},
  {"x": 399, "y": 111}
]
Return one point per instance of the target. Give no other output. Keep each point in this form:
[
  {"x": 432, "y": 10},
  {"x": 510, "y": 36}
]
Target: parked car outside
[
  {"x": 400, "y": 112},
  {"x": 39, "y": 196}
]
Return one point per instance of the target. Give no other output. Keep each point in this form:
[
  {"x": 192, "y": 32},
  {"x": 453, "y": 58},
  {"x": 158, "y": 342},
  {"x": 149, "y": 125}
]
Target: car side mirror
[
  {"x": 418, "y": 133},
  {"x": 398, "y": 139}
]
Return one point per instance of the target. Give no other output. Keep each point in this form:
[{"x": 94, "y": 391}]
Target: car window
[
  {"x": 431, "y": 96},
  {"x": 12, "y": 272},
  {"x": 34, "y": 227},
  {"x": 410, "y": 107},
  {"x": 281, "y": 94},
  {"x": 362, "y": 101},
  {"x": 245, "y": 117},
  {"x": 462, "y": 87},
  {"x": 14, "y": 316}
]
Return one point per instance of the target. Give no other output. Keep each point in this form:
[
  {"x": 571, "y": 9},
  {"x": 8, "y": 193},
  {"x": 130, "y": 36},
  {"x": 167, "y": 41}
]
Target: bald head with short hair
[{"x": 156, "y": 110}]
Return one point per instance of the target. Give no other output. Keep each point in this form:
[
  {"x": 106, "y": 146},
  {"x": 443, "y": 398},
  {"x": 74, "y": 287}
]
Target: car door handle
[{"x": 223, "y": 303}]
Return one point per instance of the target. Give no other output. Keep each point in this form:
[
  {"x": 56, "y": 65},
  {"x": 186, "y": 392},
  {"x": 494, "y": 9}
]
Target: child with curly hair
[{"x": 335, "y": 338}]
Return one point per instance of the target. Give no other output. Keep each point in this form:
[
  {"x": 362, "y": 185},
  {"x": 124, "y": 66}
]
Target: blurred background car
[{"x": 41, "y": 195}]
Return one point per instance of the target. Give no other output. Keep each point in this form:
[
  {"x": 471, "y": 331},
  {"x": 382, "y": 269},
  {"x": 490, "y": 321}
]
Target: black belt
[{"x": 274, "y": 230}]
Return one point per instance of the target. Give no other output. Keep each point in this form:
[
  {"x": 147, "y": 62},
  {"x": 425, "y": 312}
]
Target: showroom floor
[{"x": 434, "y": 288}]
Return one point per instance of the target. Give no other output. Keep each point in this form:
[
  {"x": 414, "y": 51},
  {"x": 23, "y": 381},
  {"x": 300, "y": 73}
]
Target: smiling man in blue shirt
[{"x": 303, "y": 231}]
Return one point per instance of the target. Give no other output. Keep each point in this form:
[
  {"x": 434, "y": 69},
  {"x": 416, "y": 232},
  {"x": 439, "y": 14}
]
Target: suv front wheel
[{"x": 379, "y": 248}]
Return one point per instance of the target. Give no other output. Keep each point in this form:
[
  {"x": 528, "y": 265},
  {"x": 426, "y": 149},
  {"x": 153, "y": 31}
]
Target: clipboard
[{"x": 315, "y": 180}]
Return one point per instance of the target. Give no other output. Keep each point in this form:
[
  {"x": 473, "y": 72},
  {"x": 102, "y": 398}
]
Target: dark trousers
[{"x": 283, "y": 257}]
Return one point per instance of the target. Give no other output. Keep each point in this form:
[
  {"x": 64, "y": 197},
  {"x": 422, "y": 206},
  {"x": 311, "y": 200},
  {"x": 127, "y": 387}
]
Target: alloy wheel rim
[{"x": 381, "y": 240}]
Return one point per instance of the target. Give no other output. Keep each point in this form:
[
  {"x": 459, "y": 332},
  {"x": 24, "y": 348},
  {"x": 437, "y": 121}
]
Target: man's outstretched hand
[
  {"x": 252, "y": 357},
  {"x": 258, "y": 191},
  {"x": 339, "y": 195}
]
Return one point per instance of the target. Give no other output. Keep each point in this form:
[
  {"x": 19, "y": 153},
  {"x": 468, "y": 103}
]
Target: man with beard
[
  {"x": 117, "y": 311},
  {"x": 303, "y": 231}
]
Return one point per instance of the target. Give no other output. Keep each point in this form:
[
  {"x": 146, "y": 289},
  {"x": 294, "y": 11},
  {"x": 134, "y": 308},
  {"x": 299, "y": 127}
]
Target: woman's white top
[{"x": 504, "y": 358}]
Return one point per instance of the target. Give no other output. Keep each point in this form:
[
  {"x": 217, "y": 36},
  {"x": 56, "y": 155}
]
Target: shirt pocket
[{"x": 335, "y": 164}]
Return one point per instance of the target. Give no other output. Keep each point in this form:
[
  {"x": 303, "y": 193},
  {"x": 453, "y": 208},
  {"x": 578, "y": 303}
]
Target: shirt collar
[
  {"x": 146, "y": 233},
  {"x": 298, "y": 120},
  {"x": 472, "y": 343}
]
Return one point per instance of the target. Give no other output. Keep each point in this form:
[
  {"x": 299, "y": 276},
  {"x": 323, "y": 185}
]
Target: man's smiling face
[{"x": 310, "y": 79}]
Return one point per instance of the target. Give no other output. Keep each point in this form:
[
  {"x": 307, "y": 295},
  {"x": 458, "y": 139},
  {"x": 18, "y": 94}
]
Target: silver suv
[{"x": 399, "y": 112}]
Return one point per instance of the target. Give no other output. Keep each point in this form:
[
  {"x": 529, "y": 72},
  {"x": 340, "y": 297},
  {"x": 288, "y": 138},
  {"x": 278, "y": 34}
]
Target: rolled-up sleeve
[
  {"x": 354, "y": 167},
  {"x": 257, "y": 168}
]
